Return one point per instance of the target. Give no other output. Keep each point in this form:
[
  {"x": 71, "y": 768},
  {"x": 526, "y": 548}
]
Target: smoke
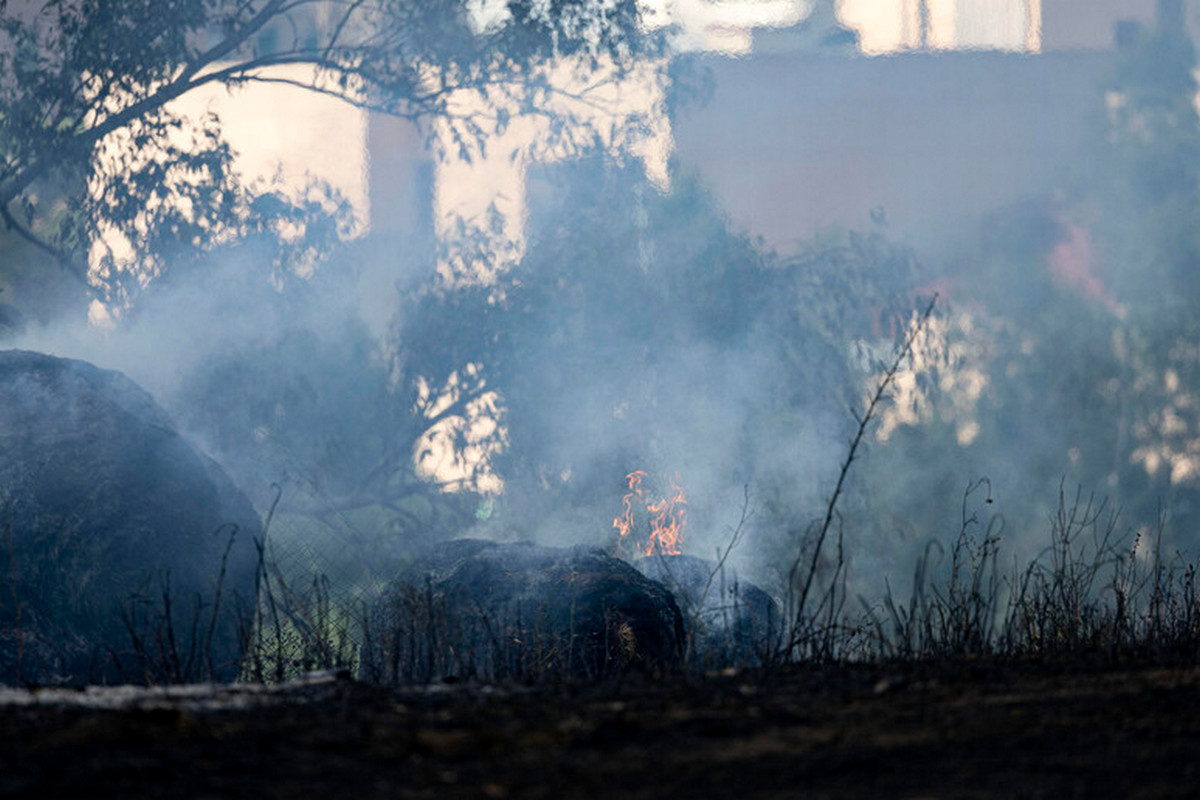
[
  {"x": 645, "y": 329},
  {"x": 642, "y": 332}
]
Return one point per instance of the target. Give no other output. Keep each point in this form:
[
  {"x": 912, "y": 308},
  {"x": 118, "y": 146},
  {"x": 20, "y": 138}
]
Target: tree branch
[
  {"x": 232, "y": 42},
  {"x": 337, "y": 31},
  {"x": 60, "y": 256}
]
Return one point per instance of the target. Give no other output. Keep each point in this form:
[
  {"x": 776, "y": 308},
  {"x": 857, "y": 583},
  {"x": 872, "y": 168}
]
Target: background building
[
  {"x": 823, "y": 112},
  {"x": 982, "y": 103}
]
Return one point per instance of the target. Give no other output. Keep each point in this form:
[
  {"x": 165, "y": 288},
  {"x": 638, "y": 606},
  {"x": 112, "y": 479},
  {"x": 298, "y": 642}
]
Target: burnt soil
[{"x": 965, "y": 730}]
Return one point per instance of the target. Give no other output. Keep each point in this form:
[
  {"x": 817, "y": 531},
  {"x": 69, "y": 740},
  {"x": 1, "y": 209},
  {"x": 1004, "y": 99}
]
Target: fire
[{"x": 668, "y": 517}]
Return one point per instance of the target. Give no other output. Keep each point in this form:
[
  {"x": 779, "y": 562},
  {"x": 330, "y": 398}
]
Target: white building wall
[{"x": 890, "y": 26}]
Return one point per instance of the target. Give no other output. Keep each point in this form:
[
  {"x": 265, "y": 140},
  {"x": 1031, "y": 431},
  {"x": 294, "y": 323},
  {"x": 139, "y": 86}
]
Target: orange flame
[{"x": 668, "y": 517}]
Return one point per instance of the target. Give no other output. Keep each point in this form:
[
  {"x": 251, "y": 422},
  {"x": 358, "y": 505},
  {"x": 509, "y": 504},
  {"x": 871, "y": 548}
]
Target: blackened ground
[{"x": 963, "y": 731}]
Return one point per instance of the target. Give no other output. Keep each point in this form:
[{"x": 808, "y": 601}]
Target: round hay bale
[
  {"x": 476, "y": 609},
  {"x": 126, "y": 556}
]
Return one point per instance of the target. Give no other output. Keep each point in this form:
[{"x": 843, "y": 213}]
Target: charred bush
[{"x": 730, "y": 621}]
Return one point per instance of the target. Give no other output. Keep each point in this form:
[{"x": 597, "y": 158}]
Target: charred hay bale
[
  {"x": 730, "y": 621},
  {"x": 477, "y": 609},
  {"x": 114, "y": 532}
]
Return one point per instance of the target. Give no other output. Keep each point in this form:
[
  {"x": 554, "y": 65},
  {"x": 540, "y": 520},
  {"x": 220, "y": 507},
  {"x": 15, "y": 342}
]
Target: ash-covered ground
[{"x": 965, "y": 730}]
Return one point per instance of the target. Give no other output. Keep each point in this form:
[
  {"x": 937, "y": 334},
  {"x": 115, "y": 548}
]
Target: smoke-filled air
[{"x": 787, "y": 330}]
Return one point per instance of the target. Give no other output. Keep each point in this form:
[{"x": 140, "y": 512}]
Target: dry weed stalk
[{"x": 817, "y": 631}]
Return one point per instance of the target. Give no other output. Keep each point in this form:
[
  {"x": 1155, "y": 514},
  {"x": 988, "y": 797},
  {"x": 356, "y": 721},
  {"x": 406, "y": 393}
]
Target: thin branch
[
  {"x": 235, "y": 40},
  {"x": 735, "y": 536},
  {"x": 337, "y": 31},
  {"x": 60, "y": 256},
  {"x": 362, "y": 105}
]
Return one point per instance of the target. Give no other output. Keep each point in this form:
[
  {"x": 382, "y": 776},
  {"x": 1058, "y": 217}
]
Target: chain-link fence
[{"x": 318, "y": 577}]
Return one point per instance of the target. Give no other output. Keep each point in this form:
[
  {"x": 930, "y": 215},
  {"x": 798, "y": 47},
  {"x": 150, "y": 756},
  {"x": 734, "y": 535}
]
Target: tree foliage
[{"x": 100, "y": 170}]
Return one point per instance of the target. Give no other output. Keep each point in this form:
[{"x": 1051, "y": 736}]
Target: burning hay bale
[
  {"x": 124, "y": 552},
  {"x": 729, "y": 621},
  {"x": 477, "y": 609}
]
